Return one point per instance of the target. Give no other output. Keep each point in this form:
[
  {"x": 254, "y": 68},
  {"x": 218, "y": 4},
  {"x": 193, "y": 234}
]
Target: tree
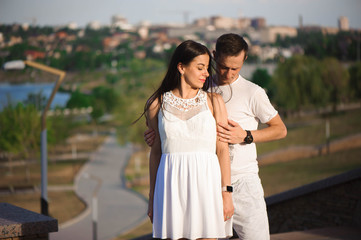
[
  {"x": 107, "y": 95},
  {"x": 20, "y": 132},
  {"x": 79, "y": 100},
  {"x": 263, "y": 79},
  {"x": 111, "y": 79},
  {"x": 335, "y": 79},
  {"x": 355, "y": 80},
  {"x": 36, "y": 99},
  {"x": 298, "y": 84}
]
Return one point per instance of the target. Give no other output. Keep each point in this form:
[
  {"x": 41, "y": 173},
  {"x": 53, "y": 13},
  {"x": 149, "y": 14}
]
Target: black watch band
[
  {"x": 227, "y": 188},
  {"x": 249, "y": 138}
]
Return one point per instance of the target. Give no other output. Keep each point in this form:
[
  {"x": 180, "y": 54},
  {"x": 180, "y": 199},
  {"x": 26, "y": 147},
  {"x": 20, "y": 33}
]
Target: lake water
[{"x": 20, "y": 92}]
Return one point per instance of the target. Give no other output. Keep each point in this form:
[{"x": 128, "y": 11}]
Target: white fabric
[
  {"x": 188, "y": 198},
  {"x": 247, "y": 104},
  {"x": 250, "y": 219}
]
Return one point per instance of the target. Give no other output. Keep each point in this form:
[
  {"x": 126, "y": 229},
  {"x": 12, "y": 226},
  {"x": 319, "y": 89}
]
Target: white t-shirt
[{"x": 247, "y": 104}]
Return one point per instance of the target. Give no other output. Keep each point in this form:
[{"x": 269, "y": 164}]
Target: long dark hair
[{"x": 184, "y": 53}]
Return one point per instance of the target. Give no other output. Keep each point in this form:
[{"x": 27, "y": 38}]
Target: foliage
[
  {"x": 111, "y": 78},
  {"x": 355, "y": 80},
  {"x": 335, "y": 79},
  {"x": 98, "y": 110},
  {"x": 298, "y": 84},
  {"x": 20, "y": 130},
  {"x": 36, "y": 99},
  {"x": 59, "y": 128},
  {"x": 133, "y": 93},
  {"x": 79, "y": 100},
  {"x": 106, "y": 95},
  {"x": 263, "y": 79}
]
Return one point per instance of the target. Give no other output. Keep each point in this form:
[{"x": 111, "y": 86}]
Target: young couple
[{"x": 203, "y": 161}]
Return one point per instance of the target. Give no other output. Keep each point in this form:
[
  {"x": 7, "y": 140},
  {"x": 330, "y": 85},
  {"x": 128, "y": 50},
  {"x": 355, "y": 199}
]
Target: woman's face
[{"x": 196, "y": 72}]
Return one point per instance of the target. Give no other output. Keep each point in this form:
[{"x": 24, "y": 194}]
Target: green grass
[
  {"x": 284, "y": 176},
  {"x": 59, "y": 173},
  {"x": 311, "y": 131}
]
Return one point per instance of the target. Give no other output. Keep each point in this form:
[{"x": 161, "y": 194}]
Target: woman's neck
[{"x": 185, "y": 92}]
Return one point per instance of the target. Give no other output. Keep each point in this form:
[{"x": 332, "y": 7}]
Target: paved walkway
[{"x": 119, "y": 209}]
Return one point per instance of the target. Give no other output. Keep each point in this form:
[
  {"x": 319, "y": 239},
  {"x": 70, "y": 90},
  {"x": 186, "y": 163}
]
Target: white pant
[{"x": 250, "y": 219}]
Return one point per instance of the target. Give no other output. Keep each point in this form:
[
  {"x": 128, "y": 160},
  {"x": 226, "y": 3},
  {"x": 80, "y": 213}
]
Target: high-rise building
[{"x": 343, "y": 23}]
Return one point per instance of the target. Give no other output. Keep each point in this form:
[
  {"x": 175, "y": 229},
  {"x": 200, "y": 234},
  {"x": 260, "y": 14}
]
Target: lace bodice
[
  {"x": 186, "y": 125},
  {"x": 185, "y": 108},
  {"x": 185, "y": 104}
]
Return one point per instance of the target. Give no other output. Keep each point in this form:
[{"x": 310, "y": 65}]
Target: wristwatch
[
  {"x": 227, "y": 189},
  {"x": 249, "y": 138}
]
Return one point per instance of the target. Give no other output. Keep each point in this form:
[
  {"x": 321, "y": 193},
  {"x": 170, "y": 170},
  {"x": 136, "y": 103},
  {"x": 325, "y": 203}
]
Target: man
[{"x": 247, "y": 104}]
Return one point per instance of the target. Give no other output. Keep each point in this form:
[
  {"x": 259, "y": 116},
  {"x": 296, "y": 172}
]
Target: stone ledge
[
  {"x": 16, "y": 222},
  {"x": 314, "y": 187}
]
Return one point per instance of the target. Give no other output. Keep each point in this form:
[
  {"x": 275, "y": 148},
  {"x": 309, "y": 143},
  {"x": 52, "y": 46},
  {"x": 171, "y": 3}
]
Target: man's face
[{"x": 228, "y": 67}]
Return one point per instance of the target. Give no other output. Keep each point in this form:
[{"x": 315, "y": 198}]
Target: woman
[{"x": 188, "y": 166}]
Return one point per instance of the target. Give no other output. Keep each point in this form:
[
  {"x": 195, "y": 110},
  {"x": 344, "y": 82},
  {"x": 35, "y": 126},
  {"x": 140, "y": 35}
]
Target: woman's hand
[
  {"x": 149, "y": 136},
  {"x": 150, "y": 210},
  {"x": 228, "y": 208}
]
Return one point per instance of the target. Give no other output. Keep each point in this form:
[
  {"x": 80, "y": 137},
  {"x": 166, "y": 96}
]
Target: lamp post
[
  {"x": 19, "y": 64},
  {"x": 94, "y": 204}
]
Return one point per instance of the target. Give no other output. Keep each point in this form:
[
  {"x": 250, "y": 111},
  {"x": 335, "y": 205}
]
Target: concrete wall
[
  {"x": 335, "y": 201},
  {"x": 20, "y": 224}
]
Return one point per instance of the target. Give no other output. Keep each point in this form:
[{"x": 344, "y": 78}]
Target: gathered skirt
[{"x": 188, "y": 197}]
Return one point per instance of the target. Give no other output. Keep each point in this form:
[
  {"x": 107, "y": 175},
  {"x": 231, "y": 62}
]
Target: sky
[{"x": 276, "y": 12}]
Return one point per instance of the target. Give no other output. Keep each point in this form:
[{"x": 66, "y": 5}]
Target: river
[{"x": 14, "y": 93}]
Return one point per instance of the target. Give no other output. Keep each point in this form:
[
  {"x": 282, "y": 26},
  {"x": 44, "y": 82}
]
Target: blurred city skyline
[{"x": 82, "y": 12}]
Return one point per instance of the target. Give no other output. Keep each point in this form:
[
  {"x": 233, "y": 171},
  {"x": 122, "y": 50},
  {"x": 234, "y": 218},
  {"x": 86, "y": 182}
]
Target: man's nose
[{"x": 229, "y": 74}]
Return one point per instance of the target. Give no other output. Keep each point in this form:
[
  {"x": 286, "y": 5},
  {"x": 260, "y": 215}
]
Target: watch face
[
  {"x": 248, "y": 139},
  {"x": 229, "y": 189}
]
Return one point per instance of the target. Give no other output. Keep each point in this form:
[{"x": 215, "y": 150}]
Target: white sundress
[{"x": 188, "y": 193}]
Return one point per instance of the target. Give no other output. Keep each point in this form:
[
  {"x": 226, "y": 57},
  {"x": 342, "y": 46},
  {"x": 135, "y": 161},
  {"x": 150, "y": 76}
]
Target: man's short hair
[{"x": 231, "y": 44}]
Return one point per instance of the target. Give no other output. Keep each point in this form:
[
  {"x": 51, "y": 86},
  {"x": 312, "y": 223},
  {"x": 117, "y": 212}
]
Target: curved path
[{"x": 119, "y": 209}]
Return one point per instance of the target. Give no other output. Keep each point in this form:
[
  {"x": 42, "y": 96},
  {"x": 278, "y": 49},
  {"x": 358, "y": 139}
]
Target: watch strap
[{"x": 227, "y": 189}]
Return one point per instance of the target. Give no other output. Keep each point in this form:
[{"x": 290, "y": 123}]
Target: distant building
[
  {"x": 14, "y": 40},
  {"x": 95, "y": 25},
  {"x": 121, "y": 22},
  {"x": 244, "y": 23},
  {"x": 343, "y": 24},
  {"x": 330, "y": 30},
  {"x": 25, "y": 26},
  {"x": 202, "y": 22},
  {"x": 223, "y": 22},
  {"x": 270, "y": 34},
  {"x": 33, "y": 55},
  {"x": 61, "y": 35},
  {"x": 72, "y": 25},
  {"x": 258, "y": 23},
  {"x": 143, "y": 32}
]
